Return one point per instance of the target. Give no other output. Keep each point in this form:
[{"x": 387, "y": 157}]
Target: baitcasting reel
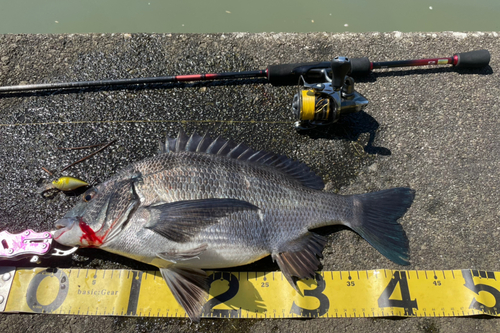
[{"x": 322, "y": 102}]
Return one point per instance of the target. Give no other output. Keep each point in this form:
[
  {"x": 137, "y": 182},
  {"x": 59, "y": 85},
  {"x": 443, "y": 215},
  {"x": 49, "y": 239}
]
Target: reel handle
[{"x": 340, "y": 67}]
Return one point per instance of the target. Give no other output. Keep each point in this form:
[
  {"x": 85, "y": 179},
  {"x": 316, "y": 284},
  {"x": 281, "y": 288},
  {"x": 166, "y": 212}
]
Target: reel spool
[
  {"x": 311, "y": 105},
  {"x": 315, "y": 104}
]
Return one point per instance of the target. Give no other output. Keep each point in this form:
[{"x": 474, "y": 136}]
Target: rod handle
[
  {"x": 473, "y": 59},
  {"x": 360, "y": 66},
  {"x": 289, "y": 74}
]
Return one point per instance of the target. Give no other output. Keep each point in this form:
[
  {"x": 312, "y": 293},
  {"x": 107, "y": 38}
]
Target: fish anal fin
[
  {"x": 176, "y": 255},
  {"x": 180, "y": 221},
  {"x": 300, "y": 258},
  {"x": 189, "y": 287}
]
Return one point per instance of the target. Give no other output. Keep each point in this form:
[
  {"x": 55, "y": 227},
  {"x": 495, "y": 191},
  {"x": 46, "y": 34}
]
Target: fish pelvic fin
[
  {"x": 175, "y": 255},
  {"x": 180, "y": 221},
  {"x": 222, "y": 147},
  {"x": 189, "y": 287},
  {"x": 299, "y": 258},
  {"x": 375, "y": 218}
]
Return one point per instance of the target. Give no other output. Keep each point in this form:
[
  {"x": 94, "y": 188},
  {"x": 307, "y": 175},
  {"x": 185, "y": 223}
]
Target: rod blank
[{"x": 278, "y": 75}]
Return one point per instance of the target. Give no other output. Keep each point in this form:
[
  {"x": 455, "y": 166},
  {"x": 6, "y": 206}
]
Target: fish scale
[{"x": 206, "y": 204}]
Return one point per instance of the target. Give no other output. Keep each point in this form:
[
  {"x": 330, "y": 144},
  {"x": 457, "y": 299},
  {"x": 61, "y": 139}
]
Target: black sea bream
[{"x": 206, "y": 204}]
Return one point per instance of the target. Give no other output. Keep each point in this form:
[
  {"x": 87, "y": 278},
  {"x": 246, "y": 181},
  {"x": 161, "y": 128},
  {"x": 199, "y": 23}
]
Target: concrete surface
[{"x": 434, "y": 129}]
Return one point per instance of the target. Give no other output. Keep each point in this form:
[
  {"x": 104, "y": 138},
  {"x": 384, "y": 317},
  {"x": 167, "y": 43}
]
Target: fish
[{"x": 204, "y": 203}]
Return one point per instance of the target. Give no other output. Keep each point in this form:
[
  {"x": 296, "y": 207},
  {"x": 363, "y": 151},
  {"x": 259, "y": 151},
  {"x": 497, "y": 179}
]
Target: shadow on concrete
[
  {"x": 350, "y": 128},
  {"x": 372, "y": 77}
]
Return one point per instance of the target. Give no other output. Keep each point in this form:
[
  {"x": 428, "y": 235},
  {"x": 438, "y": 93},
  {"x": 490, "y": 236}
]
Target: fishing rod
[
  {"x": 325, "y": 89},
  {"x": 277, "y": 75}
]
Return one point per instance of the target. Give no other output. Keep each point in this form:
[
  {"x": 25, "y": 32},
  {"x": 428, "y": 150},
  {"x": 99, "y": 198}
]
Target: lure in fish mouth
[{"x": 208, "y": 204}]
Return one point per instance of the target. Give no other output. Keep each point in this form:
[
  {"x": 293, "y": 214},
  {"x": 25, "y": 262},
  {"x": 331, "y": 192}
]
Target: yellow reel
[{"x": 314, "y": 106}]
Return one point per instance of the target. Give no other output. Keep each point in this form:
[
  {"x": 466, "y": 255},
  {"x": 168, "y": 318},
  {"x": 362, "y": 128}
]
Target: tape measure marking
[{"x": 345, "y": 294}]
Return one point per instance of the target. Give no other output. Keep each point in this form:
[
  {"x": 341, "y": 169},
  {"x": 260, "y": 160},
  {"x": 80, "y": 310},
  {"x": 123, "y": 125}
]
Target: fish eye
[{"x": 87, "y": 196}]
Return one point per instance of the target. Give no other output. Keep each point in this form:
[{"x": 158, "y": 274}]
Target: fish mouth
[
  {"x": 60, "y": 226},
  {"x": 65, "y": 223},
  {"x": 63, "y": 226}
]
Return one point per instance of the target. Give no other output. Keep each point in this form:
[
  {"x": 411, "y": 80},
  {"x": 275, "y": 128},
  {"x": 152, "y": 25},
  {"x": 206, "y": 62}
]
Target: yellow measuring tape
[{"x": 370, "y": 293}]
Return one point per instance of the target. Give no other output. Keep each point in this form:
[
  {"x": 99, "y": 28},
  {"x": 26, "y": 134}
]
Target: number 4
[{"x": 405, "y": 302}]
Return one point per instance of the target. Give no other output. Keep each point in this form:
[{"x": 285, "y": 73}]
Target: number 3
[{"x": 324, "y": 302}]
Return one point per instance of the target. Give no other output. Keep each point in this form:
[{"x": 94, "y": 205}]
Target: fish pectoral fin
[
  {"x": 299, "y": 258},
  {"x": 179, "y": 221},
  {"x": 189, "y": 287},
  {"x": 175, "y": 255}
]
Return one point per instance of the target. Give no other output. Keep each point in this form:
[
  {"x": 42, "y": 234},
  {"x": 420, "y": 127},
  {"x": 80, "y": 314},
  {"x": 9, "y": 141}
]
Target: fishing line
[
  {"x": 146, "y": 121},
  {"x": 83, "y": 122}
]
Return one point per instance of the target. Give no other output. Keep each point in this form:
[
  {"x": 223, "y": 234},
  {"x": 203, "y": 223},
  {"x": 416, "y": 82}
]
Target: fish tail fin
[{"x": 375, "y": 218}]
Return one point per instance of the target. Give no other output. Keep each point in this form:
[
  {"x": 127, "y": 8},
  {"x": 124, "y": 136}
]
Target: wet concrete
[{"x": 433, "y": 129}]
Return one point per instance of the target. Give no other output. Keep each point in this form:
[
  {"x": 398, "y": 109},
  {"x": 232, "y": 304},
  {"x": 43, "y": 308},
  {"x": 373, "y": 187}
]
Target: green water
[{"x": 80, "y": 16}]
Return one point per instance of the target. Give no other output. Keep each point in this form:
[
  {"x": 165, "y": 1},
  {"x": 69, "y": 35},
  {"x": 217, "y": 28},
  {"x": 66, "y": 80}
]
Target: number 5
[{"x": 469, "y": 283}]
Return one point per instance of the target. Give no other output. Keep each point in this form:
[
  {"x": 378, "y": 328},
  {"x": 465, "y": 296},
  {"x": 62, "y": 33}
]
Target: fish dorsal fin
[{"x": 204, "y": 144}]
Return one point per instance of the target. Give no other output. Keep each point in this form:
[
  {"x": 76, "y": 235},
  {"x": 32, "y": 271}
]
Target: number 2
[{"x": 234, "y": 286}]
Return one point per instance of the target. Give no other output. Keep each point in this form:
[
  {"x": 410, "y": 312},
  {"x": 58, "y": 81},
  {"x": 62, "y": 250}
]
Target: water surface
[{"x": 205, "y": 16}]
